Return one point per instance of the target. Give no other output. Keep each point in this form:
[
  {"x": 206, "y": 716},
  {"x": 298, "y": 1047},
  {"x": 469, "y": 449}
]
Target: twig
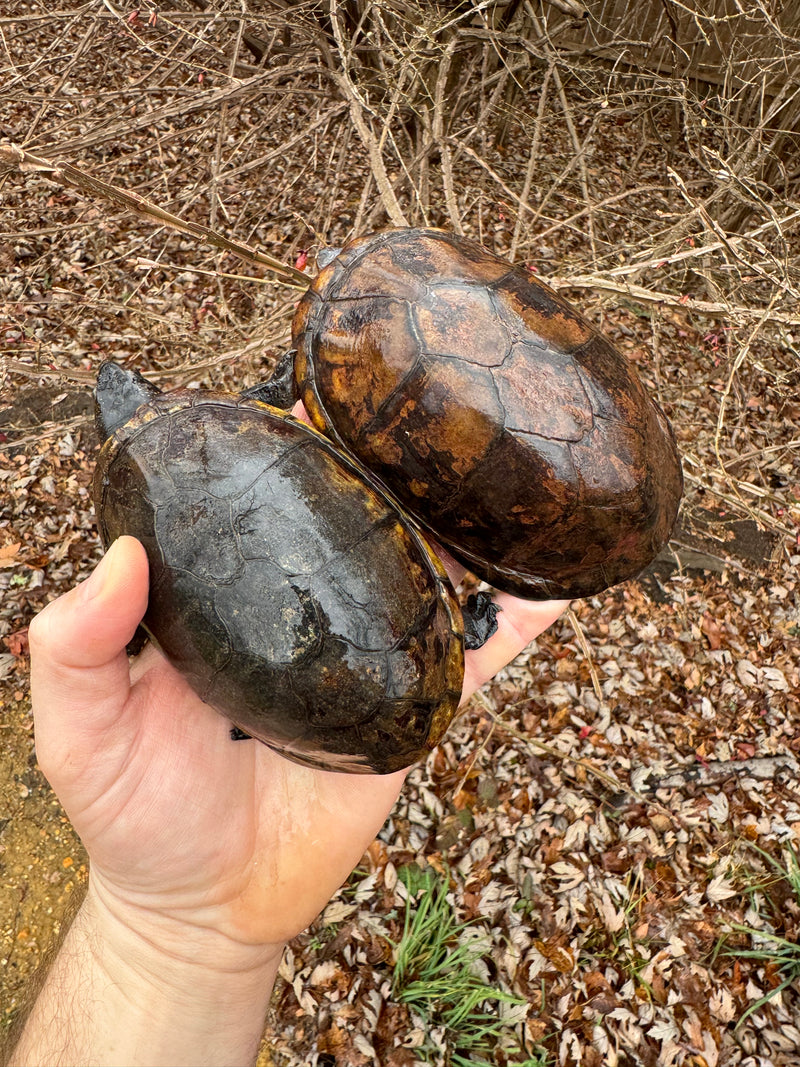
[
  {"x": 741, "y": 356},
  {"x": 472, "y": 762},
  {"x": 205, "y": 100},
  {"x": 598, "y": 206},
  {"x": 77, "y": 422},
  {"x": 376, "y": 163},
  {"x": 76, "y": 55},
  {"x": 569, "y": 7},
  {"x": 765, "y": 768},
  {"x": 758, "y": 514},
  {"x": 61, "y": 171},
  {"x": 587, "y": 652},
  {"x": 551, "y": 750},
  {"x": 638, "y": 292},
  {"x": 580, "y": 153},
  {"x": 727, "y": 242},
  {"x": 365, "y": 132},
  {"x": 441, "y": 143},
  {"x": 222, "y": 129},
  {"x": 533, "y": 159},
  {"x": 284, "y": 150}
]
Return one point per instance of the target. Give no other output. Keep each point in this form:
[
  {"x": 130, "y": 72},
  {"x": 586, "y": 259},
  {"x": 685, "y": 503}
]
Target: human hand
[
  {"x": 206, "y": 855},
  {"x": 180, "y": 822}
]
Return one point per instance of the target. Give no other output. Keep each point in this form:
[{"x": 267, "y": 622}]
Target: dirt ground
[{"x": 616, "y": 808}]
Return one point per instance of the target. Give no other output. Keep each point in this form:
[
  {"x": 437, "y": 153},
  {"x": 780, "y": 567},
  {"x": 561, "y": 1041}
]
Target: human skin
[{"x": 206, "y": 856}]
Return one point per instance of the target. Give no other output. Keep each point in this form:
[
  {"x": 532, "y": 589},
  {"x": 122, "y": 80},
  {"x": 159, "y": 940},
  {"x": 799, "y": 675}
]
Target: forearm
[{"x": 116, "y": 996}]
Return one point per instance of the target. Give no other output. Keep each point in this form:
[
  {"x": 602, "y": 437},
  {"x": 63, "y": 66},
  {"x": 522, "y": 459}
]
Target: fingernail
[{"x": 96, "y": 581}]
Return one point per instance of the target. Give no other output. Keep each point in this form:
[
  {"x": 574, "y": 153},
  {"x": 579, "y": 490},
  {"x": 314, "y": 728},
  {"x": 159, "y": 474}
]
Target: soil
[{"x": 624, "y": 796}]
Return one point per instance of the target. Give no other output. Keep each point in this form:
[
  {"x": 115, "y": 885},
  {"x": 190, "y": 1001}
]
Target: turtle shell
[
  {"x": 288, "y": 591},
  {"x": 491, "y": 409}
]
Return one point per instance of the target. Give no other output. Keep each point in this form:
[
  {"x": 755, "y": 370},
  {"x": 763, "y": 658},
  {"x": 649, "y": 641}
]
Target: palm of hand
[{"x": 181, "y": 820}]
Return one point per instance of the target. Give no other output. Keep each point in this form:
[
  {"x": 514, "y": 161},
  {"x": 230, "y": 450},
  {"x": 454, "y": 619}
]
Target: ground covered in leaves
[{"x": 615, "y": 820}]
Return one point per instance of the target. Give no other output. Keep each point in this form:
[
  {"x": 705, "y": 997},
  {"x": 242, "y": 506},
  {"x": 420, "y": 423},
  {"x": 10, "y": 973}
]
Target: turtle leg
[
  {"x": 137, "y": 642},
  {"x": 278, "y": 391},
  {"x": 480, "y": 620}
]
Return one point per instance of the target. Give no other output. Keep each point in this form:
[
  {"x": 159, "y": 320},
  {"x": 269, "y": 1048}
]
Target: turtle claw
[{"x": 480, "y": 620}]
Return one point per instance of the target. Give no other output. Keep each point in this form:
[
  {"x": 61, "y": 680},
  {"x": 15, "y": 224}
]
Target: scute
[
  {"x": 351, "y": 333},
  {"x": 515, "y": 431},
  {"x": 534, "y": 310},
  {"x": 436, "y": 461},
  {"x": 200, "y": 527},
  {"x": 290, "y": 593},
  {"x": 545, "y": 398},
  {"x": 459, "y": 322}
]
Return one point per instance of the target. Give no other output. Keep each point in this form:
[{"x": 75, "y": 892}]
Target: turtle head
[{"x": 117, "y": 395}]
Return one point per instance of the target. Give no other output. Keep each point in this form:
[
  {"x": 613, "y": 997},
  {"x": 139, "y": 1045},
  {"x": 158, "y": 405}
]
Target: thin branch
[
  {"x": 533, "y": 159},
  {"x": 650, "y": 296},
  {"x": 587, "y": 652},
  {"x": 357, "y": 112},
  {"x": 60, "y": 171},
  {"x": 440, "y": 141},
  {"x": 741, "y": 356}
]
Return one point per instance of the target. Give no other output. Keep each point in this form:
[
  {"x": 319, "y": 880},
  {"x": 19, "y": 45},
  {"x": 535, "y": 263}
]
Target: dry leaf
[
  {"x": 7, "y": 552},
  {"x": 721, "y": 1005},
  {"x": 775, "y": 679},
  {"x": 720, "y": 889},
  {"x": 558, "y": 955},
  {"x": 337, "y": 911},
  {"x": 613, "y": 918},
  {"x": 747, "y": 673},
  {"x": 719, "y": 809}
]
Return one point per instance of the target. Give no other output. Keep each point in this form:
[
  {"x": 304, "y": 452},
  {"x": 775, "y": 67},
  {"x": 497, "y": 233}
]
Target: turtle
[
  {"x": 290, "y": 592},
  {"x": 489, "y": 408}
]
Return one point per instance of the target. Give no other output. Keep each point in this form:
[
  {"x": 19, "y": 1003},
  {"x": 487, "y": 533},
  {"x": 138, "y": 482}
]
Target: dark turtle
[
  {"x": 491, "y": 409},
  {"x": 288, "y": 591}
]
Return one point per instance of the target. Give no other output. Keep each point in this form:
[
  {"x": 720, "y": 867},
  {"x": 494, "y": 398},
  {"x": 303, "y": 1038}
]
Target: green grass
[
  {"x": 434, "y": 976},
  {"x": 781, "y": 953},
  {"x": 620, "y": 947}
]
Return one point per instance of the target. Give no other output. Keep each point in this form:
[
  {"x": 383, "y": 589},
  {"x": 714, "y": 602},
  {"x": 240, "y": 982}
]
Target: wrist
[
  {"x": 131, "y": 987},
  {"x": 167, "y": 947}
]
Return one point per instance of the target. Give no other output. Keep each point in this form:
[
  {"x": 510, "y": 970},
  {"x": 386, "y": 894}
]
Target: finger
[
  {"x": 300, "y": 412},
  {"x": 79, "y": 670},
  {"x": 518, "y": 623},
  {"x": 455, "y": 570}
]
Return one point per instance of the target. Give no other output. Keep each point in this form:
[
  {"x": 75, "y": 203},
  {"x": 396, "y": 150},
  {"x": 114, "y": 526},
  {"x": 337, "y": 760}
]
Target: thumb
[{"x": 79, "y": 669}]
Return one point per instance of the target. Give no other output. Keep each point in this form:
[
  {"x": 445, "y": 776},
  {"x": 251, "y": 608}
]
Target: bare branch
[{"x": 60, "y": 171}]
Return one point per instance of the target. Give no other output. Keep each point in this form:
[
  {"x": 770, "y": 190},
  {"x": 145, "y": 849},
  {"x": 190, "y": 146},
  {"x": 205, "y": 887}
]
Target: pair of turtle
[{"x": 289, "y": 580}]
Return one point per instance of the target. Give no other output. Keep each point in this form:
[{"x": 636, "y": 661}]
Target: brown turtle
[
  {"x": 291, "y": 594},
  {"x": 490, "y": 409}
]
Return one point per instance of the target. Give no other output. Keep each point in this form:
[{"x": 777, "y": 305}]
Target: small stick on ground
[{"x": 576, "y": 626}]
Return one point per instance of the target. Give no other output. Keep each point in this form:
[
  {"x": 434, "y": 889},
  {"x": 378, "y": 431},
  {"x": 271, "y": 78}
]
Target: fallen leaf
[
  {"x": 775, "y": 679},
  {"x": 7, "y": 552},
  {"x": 747, "y": 673},
  {"x": 720, "y": 889},
  {"x": 17, "y": 643},
  {"x": 711, "y": 629},
  {"x": 559, "y": 955},
  {"x": 337, "y": 911}
]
